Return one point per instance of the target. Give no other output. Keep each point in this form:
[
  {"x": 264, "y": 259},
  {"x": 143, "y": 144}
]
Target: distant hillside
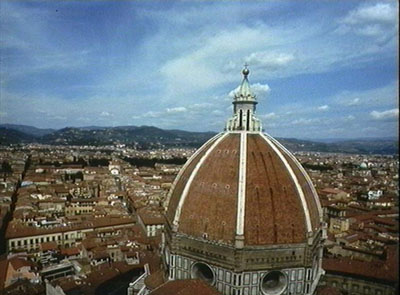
[
  {"x": 381, "y": 146},
  {"x": 149, "y": 136},
  {"x": 365, "y": 146},
  {"x": 143, "y": 135},
  {"x": 11, "y": 136},
  {"x": 30, "y": 130}
]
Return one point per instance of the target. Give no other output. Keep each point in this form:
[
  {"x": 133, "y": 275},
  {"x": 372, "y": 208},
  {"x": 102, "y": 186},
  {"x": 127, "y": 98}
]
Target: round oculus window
[
  {"x": 202, "y": 271},
  {"x": 273, "y": 283}
]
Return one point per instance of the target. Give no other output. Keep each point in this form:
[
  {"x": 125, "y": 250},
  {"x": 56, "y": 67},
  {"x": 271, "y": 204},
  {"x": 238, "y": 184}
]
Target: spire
[
  {"x": 244, "y": 107},
  {"x": 244, "y": 92}
]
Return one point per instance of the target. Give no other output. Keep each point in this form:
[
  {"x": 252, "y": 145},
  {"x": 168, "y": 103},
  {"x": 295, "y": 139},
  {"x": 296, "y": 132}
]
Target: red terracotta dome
[{"x": 246, "y": 184}]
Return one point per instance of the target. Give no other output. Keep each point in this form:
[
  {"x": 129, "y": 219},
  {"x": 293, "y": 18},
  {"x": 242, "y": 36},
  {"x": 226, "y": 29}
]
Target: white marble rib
[
  {"x": 188, "y": 163},
  {"x": 302, "y": 171},
  {"x": 295, "y": 180},
  {"x": 242, "y": 185},
  {"x": 192, "y": 176}
]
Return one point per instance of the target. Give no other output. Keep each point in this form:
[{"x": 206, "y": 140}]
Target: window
[
  {"x": 293, "y": 275},
  {"x": 308, "y": 288},
  {"x": 274, "y": 282},
  {"x": 203, "y": 271},
  {"x": 308, "y": 274},
  {"x": 300, "y": 275},
  {"x": 179, "y": 262},
  {"x": 248, "y": 120}
]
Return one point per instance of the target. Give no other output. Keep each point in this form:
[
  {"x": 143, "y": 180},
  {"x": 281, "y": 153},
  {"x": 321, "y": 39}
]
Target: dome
[
  {"x": 243, "y": 214},
  {"x": 244, "y": 184}
]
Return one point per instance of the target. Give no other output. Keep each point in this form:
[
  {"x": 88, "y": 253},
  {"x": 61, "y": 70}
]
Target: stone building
[{"x": 243, "y": 214}]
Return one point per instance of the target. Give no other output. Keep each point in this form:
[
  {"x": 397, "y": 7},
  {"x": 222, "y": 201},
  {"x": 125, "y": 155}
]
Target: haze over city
[{"x": 328, "y": 67}]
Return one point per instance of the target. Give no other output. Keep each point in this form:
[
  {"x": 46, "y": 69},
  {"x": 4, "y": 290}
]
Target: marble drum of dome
[{"x": 243, "y": 215}]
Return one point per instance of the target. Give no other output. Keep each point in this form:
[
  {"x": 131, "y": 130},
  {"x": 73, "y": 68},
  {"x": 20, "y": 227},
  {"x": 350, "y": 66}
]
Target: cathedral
[{"x": 243, "y": 215}]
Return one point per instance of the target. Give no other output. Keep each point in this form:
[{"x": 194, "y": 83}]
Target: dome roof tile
[{"x": 280, "y": 203}]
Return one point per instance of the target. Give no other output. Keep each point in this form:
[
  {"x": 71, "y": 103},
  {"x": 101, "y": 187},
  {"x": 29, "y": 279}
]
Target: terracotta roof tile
[
  {"x": 154, "y": 280},
  {"x": 180, "y": 185},
  {"x": 211, "y": 204},
  {"x": 382, "y": 270},
  {"x": 274, "y": 214}
]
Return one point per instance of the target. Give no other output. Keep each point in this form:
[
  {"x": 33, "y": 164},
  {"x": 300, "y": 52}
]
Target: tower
[{"x": 243, "y": 214}]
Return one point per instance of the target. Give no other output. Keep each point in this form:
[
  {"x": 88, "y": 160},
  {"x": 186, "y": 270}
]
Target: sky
[{"x": 320, "y": 69}]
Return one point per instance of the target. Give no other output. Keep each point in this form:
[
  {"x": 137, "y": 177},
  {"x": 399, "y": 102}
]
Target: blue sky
[{"x": 320, "y": 69}]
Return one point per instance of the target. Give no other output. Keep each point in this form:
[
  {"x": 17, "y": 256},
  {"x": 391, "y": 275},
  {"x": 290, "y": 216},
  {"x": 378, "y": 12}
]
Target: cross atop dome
[{"x": 244, "y": 107}]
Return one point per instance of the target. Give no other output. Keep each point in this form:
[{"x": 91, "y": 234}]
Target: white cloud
[
  {"x": 385, "y": 115},
  {"x": 269, "y": 60},
  {"x": 152, "y": 114},
  {"x": 105, "y": 114},
  {"x": 371, "y": 30},
  {"x": 378, "y": 12},
  {"x": 260, "y": 90},
  {"x": 383, "y": 96},
  {"x": 232, "y": 93},
  {"x": 202, "y": 68},
  {"x": 323, "y": 108},
  {"x": 176, "y": 110},
  {"x": 168, "y": 112},
  {"x": 201, "y": 106},
  {"x": 354, "y": 102},
  {"x": 378, "y": 20},
  {"x": 305, "y": 121},
  {"x": 269, "y": 116},
  {"x": 212, "y": 57}
]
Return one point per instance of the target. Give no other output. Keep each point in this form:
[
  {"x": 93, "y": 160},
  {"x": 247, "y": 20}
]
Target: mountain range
[{"x": 149, "y": 136}]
